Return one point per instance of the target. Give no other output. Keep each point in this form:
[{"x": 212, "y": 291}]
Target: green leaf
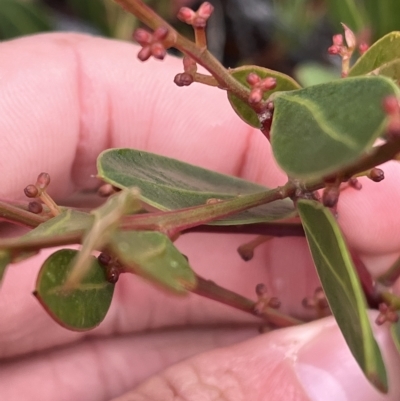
[
  {"x": 153, "y": 256},
  {"x": 309, "y": 74},
  {"x": 243, "y": 110},
  {"x": 169, "y": 184},
  {"x": 45, "y": 235},
  {"x": 68, "y": 221},
  {"x": 318, "y": 130},
  {"x": 390, "y": 70},
  {"x": 395, "y": 332},
  {"x": 342, "y": 288},
  {"x": 383, "y": 51},
  {"x": 82, "y": 308},
  {"x": 5, "y": 260},
  {"x": 106, "y": 219}
]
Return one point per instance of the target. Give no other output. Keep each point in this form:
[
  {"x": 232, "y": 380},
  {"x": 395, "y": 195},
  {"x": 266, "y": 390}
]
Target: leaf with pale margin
[
  {"x": 67, "y": 221},
  {"x": 106, "y": 219},
  {"x": 169, "y": 184},
  {"x": 5, "y": 259},
  {"x": 395, "y": 331},
  {"x": 390, "y": 70},
  {"x": 242, "y": 109},
  {"x": 152, "y": 255},
  {"x": 385, "y": 50},
  {"x": 342, "y": 288},
  {"x": 82, "y": 308},
  {"x": 319, "y": 130},
  {"x": 43, "y": 236}
]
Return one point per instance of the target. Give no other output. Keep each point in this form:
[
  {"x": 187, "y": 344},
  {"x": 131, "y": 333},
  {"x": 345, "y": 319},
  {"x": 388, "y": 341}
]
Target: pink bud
[
  {"x": 363, "y": 47},
  {"x": 43, "y": 180},
  {"x": 391, "y": 105},
  {"x": 142, "y": 37},
  {"x": 255, "y": 96},
  {"x": 253, "y": 79},
  {"x": 337, "y": 39},
  {"x": 185, "y": 14},
  {"x": 351, "y": 40},
  {"x": 205, "y": 10},
  {"x": 160, "y": 33},
  {"x": 158, "y": 51},
  {"x": 334, "y": 50},
  {"x": 268, "y": 84},
  {"x": 144, "y": 54}
]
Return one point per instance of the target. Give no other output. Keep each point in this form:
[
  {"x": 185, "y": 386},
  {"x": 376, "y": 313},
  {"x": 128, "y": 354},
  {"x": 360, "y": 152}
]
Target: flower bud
[
  {"x": 363, "y": 47},
  {"x": 337, "y": 40},
  {"x": 205, "y": 10},
  {"x": 142, "y": 36},
  {"x": 351, "y": 40},
  {"x": 330, "y": 196},
  {"x": 183, "y": 79},
  {"x": 31, "y": 191},
  {"x": 391, "y": 105},
  {"x": 43, "y": 180},
  {"x": 376, "y": 175},
  {"x": 158, "y": 51},
  {"x": 185, "y": 14},
  {"x": 261, "y": 289},
  {"x": 253, "y": 79},
  {"x": 35, "y": 207}
]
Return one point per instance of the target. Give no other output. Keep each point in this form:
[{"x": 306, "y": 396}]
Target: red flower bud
[
  {"x": 31, "y": 191},
  {"x": 337, "y": 40},
  {"x": 43, "y": 180}
]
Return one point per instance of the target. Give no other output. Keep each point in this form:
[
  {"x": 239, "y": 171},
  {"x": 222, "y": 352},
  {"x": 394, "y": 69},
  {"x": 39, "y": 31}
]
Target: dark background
[{"x": 285, "y": 35}]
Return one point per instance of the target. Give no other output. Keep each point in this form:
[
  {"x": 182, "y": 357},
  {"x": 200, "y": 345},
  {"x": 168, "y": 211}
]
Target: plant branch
[
  {"x": 270, "y": 229},
  {"x": 173, "y": 222},
  {"x": 15, "y": 214},
  {"x": 33, "y": 244},
  {"x": 391, "y": 275},
  {"x": 201, "y": 55},
  {"x": 208, "y": 289}
]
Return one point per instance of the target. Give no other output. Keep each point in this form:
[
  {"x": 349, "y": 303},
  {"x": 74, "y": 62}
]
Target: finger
[
  {"x": 102, "y": 369},
  {"x": 306, "y": 363},
  {"x": 139, "y": 306},
  {"x": 65, "y": 98}
]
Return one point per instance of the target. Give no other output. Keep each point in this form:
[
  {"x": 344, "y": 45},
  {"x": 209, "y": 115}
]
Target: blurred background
[{"x": 291, "y": 36}]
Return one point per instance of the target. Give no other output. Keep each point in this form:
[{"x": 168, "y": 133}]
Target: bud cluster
[
  {"x": 259, "y": 86},
  {"x": 343, "y": 50},
  {"x": 152, "y": 43},
  {"x": 264, "y": 300},
  {"x": 318, "y": 302},
  {"x": 198, "y": 19},
  {"x": 386, "y": 314},
  {"x": 39, "y": 191}
]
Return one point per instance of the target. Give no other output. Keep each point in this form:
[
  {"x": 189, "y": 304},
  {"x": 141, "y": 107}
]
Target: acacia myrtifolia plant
[{"x": 322, "y": 136}]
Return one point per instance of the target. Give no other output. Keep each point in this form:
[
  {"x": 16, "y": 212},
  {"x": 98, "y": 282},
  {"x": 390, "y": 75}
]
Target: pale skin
[{"x": 65, "y": 98}]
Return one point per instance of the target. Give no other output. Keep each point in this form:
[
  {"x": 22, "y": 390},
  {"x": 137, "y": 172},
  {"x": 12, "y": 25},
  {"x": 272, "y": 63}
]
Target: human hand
[{"x": 65, "y": 98}]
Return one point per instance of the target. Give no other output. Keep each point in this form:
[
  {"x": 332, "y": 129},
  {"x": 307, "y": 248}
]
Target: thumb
[{"x": 310, "y": 362}]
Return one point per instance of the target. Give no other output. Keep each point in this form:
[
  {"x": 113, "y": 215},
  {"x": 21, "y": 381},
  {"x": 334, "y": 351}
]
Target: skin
[{"x": 65, "y": 98}]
